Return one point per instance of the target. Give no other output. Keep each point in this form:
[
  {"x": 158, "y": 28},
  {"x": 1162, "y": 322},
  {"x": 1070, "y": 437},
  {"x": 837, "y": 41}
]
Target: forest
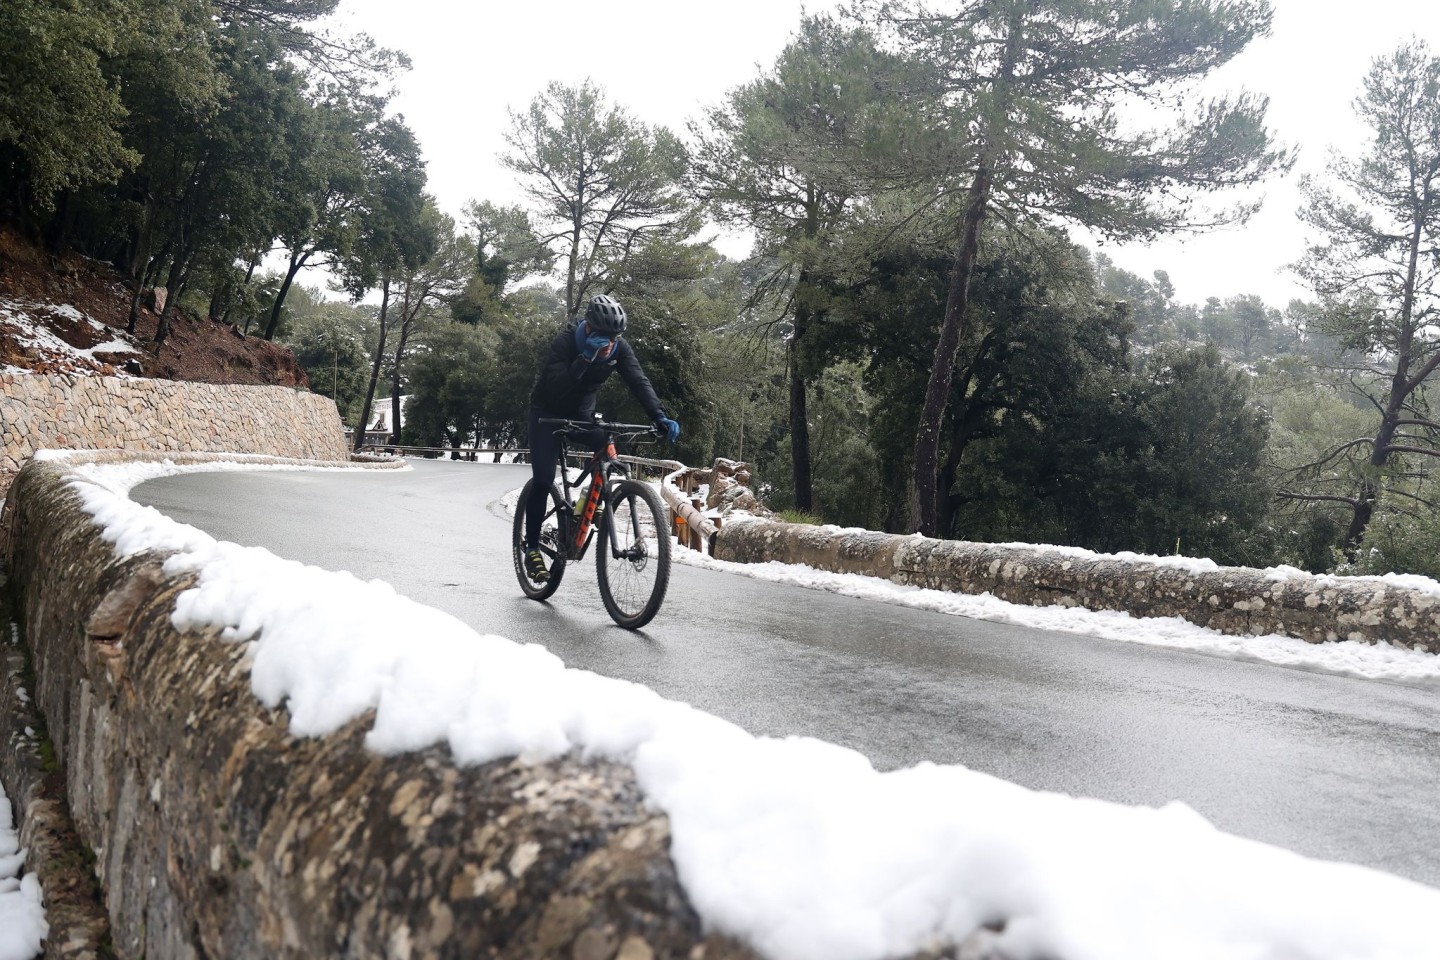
[{"x": 915, "y": 343}]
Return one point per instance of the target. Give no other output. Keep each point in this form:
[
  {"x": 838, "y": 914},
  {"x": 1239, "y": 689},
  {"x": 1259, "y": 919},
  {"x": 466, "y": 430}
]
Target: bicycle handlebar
[{"x": 567, "y": 426}]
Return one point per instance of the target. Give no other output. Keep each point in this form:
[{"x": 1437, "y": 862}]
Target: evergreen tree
[
  {"x": 451, "y": 385},
  {"x": 1376, "y": 273},
  {"x": 333, "y": 342},
  {"x": 1028, "y": 92},
  {"x": 507, "y": 250},
  {"x": 220, "y": 197},
  {"x": 60, "y": 113},
  {"x": 322, "y": 186},
  {"x": 604, "y": 185},
  {"x": 783, "y": 156},
  {"x": 428, "y": 285},
  {"x": 393, "y": 239},
  {"x": 1200, "y": 473}
]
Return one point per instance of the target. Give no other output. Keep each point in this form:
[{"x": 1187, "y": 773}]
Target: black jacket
[{"x": 568, "y": 384}]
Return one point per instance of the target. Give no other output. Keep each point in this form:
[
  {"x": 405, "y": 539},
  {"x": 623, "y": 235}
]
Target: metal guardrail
[{"x": 402, "y": 448}]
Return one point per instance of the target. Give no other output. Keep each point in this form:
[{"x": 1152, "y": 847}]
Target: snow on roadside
[
  {"x": 22, "y": 914},
  {"x": 797, "y": 846},
  {"x": 1348, "y": 658},
  {"x": 22, "y": 910},
  {"x": 1407, "y": 581}
]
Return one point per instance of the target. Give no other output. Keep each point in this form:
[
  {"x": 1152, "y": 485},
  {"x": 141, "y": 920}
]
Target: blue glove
[
  {"x": 670, "y": 427},
  {"x": 596, "y": 345}
]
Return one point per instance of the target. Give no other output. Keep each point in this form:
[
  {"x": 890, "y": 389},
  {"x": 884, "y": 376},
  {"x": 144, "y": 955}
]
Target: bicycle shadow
[{"x": 569, "y": 617}]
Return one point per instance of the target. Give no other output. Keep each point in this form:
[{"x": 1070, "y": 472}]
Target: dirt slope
[{"x": 67, "y": 315}]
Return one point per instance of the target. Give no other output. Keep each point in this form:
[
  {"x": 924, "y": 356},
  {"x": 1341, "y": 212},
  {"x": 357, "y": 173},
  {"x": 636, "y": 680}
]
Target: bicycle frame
[{"x": 604, "y": 469}]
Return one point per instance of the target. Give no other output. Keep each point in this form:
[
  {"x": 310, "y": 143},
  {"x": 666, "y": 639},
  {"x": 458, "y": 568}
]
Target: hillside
[{"x": 67, "y": 315}]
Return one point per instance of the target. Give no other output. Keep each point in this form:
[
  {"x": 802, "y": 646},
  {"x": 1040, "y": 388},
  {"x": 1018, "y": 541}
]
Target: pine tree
[
  {"x": 1376, "y": 271},
  {"x": 1032, "y": 95}
]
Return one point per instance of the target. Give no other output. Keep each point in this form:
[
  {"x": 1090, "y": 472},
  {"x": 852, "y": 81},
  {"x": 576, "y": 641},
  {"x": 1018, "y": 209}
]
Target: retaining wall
[
  {"x": 98, "y": 413},
  {"x": 1233, "y": 600},
  {"x": 217, "y": 834}
]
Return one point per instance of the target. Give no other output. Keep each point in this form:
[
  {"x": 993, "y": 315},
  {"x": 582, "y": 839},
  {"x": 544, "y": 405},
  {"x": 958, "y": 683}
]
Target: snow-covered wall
[
  {"x": 218, "y": 833},
  {"x": 39, "y": 411},
  {"x": 274, "y": 760},
  {"x": 1404, "y": 611}
]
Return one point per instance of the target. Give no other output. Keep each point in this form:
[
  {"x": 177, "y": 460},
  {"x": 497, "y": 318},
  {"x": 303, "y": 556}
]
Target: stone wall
[
  {"x": 98, "y": 413},
  {"x": 1233, "y": 600},
  {"x": 78, "y": 926},
  {"x": 216, "y": 833}
]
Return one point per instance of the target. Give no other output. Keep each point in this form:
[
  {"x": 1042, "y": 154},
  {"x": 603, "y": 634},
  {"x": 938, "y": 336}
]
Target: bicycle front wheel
[
  {"x": 632, "y": 564},
  {"x": 552, "y": 542}
]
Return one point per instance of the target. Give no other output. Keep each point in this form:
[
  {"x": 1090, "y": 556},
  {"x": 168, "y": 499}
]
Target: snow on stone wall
[
  {"x": 1404, "y": 611},
  {"x": 218, "y": 833},
  {"x": 104, "y": 413}
]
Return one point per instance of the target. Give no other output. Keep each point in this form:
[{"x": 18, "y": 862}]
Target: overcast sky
[{"x": 665, "y": 61}]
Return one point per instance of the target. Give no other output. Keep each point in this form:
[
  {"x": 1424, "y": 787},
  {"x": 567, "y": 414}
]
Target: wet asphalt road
[{"x": 1326, "y": 766}]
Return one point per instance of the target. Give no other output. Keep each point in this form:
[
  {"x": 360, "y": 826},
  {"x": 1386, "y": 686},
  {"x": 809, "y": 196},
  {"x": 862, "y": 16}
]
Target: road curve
[{"x": 1326, "y": 766}]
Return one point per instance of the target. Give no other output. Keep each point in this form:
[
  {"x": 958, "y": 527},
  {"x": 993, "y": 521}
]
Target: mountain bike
[{"x": 632, "y": 564}]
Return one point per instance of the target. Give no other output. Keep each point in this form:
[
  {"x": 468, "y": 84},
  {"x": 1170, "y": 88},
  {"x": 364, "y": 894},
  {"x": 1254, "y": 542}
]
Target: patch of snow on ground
[
  {"x": 797, "y": 846},
  {"x": 22, "y": 915},
  {"x": 31, "y": 332}
]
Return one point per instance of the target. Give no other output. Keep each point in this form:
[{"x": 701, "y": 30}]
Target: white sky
[
  {"x": 796, "y": 846},
  {"x": 665, "y": 61}
]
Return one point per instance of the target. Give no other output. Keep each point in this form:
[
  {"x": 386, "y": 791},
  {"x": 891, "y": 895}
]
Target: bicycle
[{"x": 633, "y": 567}]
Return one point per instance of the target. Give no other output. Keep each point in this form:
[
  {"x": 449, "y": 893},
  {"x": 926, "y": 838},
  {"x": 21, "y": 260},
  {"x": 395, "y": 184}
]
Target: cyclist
[{"x": 579, "y": 361}]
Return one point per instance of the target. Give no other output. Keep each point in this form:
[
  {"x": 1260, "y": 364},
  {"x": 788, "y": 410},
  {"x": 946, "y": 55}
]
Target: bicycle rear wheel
[
  {"x": 633, "y": 567},
  {"x": 552, "y": 542}
]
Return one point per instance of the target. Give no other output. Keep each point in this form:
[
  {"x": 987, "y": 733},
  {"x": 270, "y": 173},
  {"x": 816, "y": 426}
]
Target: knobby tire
[
  {"x": 553, "y": 530},
  {"x": 633, "y": 585}
]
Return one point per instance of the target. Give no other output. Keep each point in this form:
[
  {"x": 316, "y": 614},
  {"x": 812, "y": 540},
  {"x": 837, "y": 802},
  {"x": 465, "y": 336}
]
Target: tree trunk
[
  {"x": 249, "y": 275},
  {"x": 1371, "y": 488},
  {"x": 799, "y": 413},
  {"x": 800, "y": 465},
  {"x": 61, "y": 224},
  {"x": 174, "y": 281},
  {"x": 571, "y": 306},
  {"x": 141, "y": 266},
  {"x": 406, "y": 321},
  {"x": 374, "y": 368},
  {"x": 942, "y": 370},
  {"x": 937, "y": 394},
  {"x": 297, "y": 261},
  {"x": 1401, "y": 387},
  {"x": 135, "y": 303},
  {"x": 1360, "y": 520},
  {"x": 147, "y": 280}
]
